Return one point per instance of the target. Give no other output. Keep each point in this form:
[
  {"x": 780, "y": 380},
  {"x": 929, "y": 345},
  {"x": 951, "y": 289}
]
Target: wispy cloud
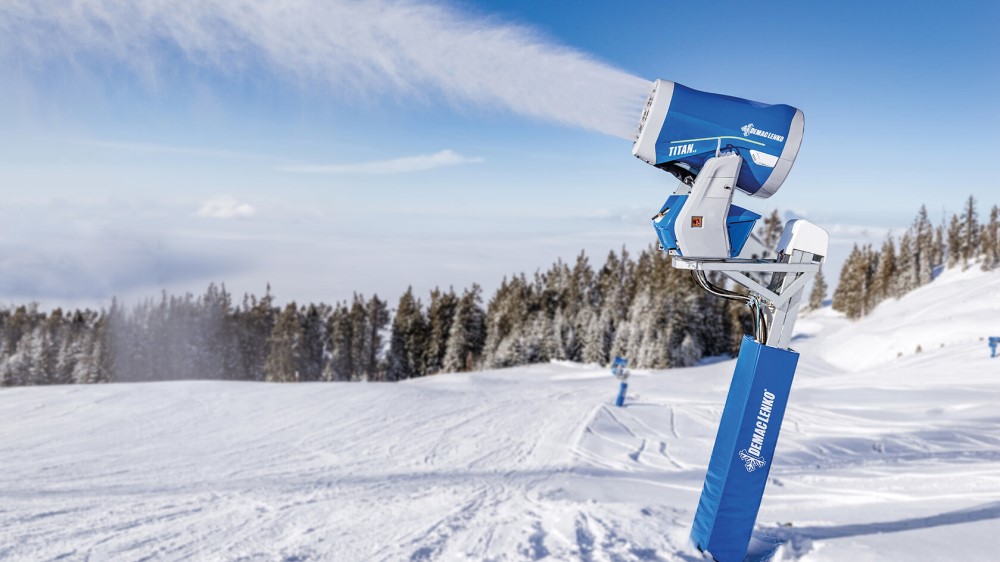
[
  {"x": 403, "y": 165},
  {"x": 225, "y": 208},
  {"x": 388, "y": 49}
]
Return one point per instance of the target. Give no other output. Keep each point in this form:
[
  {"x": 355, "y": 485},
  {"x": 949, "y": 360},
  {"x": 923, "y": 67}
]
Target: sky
[{"x": 328, "y": 147}]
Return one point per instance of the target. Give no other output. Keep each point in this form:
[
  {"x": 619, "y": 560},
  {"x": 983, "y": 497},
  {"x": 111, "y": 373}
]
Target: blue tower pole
[
  {"x": 744, "y": 448},
  {"x": 621, "y": 394}
]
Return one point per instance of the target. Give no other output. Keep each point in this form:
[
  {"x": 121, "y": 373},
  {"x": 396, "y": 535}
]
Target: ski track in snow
[{"x": 883, "y": 459}]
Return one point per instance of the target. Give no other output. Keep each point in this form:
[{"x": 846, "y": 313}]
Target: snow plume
[
  {"x": 388, "y": 48},
  {"x": 402, "y": 165}
]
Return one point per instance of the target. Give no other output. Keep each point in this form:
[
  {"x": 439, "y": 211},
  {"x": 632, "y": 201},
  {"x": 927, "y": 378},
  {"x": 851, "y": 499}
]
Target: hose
[{"x": 752, "y": 302}]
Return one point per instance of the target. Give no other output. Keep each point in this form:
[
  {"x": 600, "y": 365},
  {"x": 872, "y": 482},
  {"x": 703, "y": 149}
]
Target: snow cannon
[
  {"x": 619, "y": 368},
  {"x": 715, "y": 145}
]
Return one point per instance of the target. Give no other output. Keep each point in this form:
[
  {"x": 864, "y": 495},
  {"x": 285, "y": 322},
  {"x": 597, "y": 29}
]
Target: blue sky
[{"x": 332, "y": 147}]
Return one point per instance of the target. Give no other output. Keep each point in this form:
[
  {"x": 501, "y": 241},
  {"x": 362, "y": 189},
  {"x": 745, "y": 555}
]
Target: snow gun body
[{"x": 717, "y": 145}]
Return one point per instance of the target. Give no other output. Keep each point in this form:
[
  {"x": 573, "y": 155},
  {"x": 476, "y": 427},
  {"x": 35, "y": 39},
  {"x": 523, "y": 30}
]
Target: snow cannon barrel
[{"x": 682, "y": 128}]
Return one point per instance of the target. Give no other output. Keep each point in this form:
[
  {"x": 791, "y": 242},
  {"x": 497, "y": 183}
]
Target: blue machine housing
[
  {"x": 683, "y": 127},
  {"x": 739, "y": 225}
]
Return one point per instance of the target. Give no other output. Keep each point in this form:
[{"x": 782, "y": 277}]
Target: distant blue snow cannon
[
  {"x": 994, "y": 342},
  {"x": 717, "y": 145},
  {"x": 619, "y": 368}
]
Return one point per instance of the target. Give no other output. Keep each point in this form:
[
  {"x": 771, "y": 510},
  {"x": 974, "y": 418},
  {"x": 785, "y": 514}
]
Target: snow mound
[
  {"x": 958, "y": 308},
  {"x": 900, "y": 461}
]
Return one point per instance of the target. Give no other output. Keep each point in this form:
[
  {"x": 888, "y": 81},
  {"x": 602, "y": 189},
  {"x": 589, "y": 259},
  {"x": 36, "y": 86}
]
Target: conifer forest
[{"x": 636, "y": 307}]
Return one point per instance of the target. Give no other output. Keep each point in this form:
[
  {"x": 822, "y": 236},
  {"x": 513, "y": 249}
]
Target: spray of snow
[{"x": 401, "y": 49}]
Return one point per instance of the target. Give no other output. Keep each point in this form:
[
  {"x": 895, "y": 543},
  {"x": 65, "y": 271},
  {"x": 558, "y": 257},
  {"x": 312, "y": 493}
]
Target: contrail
[{"x": 357, "y": 50}]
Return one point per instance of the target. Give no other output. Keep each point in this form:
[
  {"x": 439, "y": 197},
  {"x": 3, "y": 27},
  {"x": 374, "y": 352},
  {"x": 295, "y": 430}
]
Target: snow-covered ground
[{"x": 880, "y": 458}]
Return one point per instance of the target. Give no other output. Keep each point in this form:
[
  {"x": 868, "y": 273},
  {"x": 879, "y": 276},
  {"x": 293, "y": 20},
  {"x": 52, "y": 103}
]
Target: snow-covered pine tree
[
  {"x": 615, "y": 289},
  {"x": 771, "y": 232},
  {"x": 508, "y": 318},
  {"x": 970, "y": 232},
  {"x": 923, "y": 236},
  {"x": 440, "y": 315},
  {"x": 818, "y": 293},
  {"x": 850, "y": 293},
  {"x": 871, "y": 260},
  {"x": 991, "y": 240},
  {"x": 582, "y": 302},
  {"x": 940, "y": 251},
  {"x": 885, "y": 274},
  {"x": 906, "y": 266},
  {"x": 955, "y": 239},
  {"x": 468, "y": 333}
]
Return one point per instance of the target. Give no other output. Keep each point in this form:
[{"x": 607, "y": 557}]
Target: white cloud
[
  {"x": 225, "y": 208},
  {"x": 404, "y": 165},
  {"x": 389, "y": 49}
]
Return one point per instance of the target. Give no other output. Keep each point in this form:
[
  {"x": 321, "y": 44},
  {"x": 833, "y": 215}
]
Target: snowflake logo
[
  {"x": 747, "y": 129},
  {"x": 752, "y": 463}
]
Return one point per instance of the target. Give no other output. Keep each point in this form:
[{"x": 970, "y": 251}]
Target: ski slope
[{"x": 880, "y": 457}]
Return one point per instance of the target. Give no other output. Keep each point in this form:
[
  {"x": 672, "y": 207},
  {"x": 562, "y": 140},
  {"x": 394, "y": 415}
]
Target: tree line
[
  {"x": 637, "y": 307},
  {"x": 901, "y": 265}
]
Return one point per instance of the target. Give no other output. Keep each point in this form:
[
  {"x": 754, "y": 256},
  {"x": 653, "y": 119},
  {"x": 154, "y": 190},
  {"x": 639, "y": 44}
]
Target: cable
[{"x": 752, "y": 302}]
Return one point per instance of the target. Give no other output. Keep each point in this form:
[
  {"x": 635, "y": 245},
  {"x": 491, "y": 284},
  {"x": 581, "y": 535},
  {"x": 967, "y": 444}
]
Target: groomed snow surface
[{"x": 880, "y": 457}]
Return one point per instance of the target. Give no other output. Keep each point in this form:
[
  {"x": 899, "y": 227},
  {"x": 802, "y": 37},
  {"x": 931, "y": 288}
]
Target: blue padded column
[{"x": 744, "y": 447}]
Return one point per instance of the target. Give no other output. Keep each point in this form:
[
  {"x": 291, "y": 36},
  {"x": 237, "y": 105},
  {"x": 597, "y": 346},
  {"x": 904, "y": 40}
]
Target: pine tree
[
  {"x": 771, "y": 232},
  {"x": 285, "y": 347},
  {"x": 970, "y": 233},
  {"x": 818, "y": 293},
  {"x": 375, "y": 321},
  {"x": 940, "y": 251},
  {"x": 408, "y": 347},
  {"x": 923, "y": 236},
  {"x": 906, "y": 267},
  {"x": 508, "y": 318},
  {"x": 991, "y": 240},
  {"x": 360, "y": 348},
  {"x": 955, "y": 242},
  {"x": 468, "y": 333},
  {"x": 313, "y": 343},
  {"x": 340, "y": 364},
  {"x": 256, "y": 326},
  {"x": 885, "y": 274},
  {"x": 871, "y": 262},
  {"x": 440, "y": 315},
  {"x": 850, "y": 293}
]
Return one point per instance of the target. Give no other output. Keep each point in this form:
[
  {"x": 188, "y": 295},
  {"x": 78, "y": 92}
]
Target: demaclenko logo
[
  {"x": 749, "y": 130},
  {"x": 751, "y": 455}
]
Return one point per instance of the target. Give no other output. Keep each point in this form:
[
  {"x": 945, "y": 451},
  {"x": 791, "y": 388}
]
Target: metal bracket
[{"x": 782, "y": 297}]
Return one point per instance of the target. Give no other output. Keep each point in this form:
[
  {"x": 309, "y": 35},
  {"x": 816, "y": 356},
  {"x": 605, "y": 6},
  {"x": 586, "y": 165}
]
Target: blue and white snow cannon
[
  {"x": 717, "y": 145},
  {"x": 619, "y": 368}
]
